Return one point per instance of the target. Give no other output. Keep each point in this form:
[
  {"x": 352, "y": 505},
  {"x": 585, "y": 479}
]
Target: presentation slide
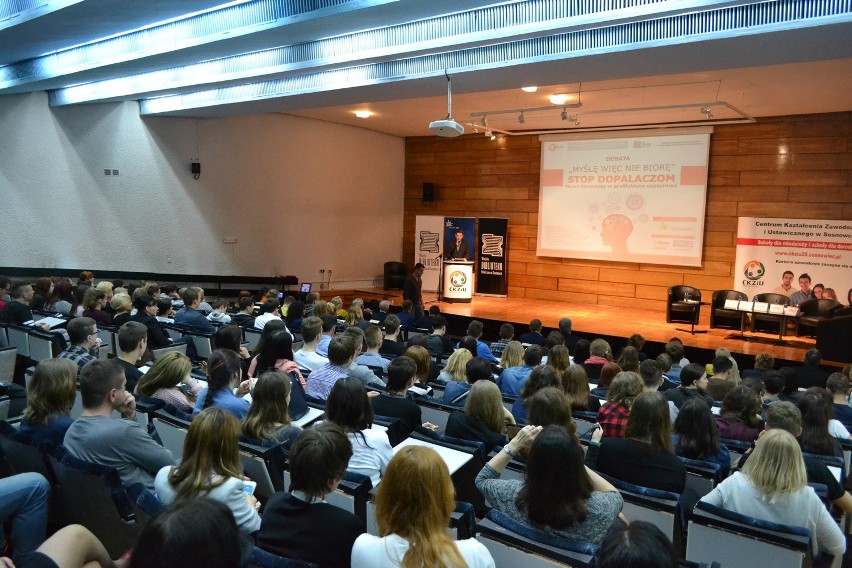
[{"x": 631, "y": 198}]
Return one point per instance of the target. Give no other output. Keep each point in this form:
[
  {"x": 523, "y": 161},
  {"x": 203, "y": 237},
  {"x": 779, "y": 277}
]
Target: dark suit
[
  {"x": 459, "y": 250},
  {"x": 804, "y": 377}
]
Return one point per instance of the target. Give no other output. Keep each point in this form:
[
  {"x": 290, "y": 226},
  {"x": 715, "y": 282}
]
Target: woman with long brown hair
[
  {"x": 50, "y": 396},
  {"x": 413, "y": 506},
  {"x": 162, "y": 380},
  {"x": 211, "y": 468},
  {"x": 268, "y": 418}
]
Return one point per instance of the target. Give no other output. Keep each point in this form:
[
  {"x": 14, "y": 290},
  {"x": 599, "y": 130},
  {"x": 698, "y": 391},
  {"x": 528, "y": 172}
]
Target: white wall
[{"x": 297, "y": 194}]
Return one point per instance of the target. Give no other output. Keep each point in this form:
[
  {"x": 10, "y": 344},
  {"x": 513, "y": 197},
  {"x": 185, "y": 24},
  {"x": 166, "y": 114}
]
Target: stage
[{"x": 591, "y": 321}]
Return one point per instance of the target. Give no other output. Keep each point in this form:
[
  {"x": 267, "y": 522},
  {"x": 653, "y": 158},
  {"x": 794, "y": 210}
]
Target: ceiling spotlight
[
  {"x": 521, "y": 118},
  {"x": 575, "y": 120},
  {"x": 484, "y": 121},
  {"x": 363, "y": 113},
  {"x": 559, "y": 98},
  {"x": 564, "y": 114},
  {"x": 530, "y": 89}
]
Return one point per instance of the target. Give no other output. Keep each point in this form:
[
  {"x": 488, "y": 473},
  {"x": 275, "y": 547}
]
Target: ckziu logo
[
  {"x": 458, "y": 279},
  {"x": 753, "y": 271}
]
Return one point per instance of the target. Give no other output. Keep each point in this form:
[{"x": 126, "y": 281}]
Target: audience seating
[
  {"x": 44, "y": 345},
  {"x": 736, "y": 448},
  {"x": 4, "y": 334},
  {"x": 20, "y": 456},
  {"x": 812, "y": 312},
  {"x": 8, "y": 357},
  {"x": 701, "y": 476},
  {"x": 171, "y": 430},
  {"x": 19, "y": 337},
  {"x": 351, "y": 495},
  {"x": 731, "y": 539},
  {"x": 676, "y": 310},
  {"x": 660, "y": 508},
  {"x": 157, "y": 353},
  {"x": 514, "y": 544},
  {"x": 264, "y": 463},
  {"x": 203, "y": 343},
  {"x": 109, "y": 343},
  {"x": 144, "y": 502},
  {"x": 584, "y": 421},
  {"x": 769, "y": 323},
  {"x": 263, "y": 559},
  {"x": 92, "y": 495},
  {"x": 722, "y": 317}
]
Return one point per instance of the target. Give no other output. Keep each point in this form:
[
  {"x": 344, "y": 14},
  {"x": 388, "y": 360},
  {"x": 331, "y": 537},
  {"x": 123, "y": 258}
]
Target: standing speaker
[{"x": 428, "y": 192}]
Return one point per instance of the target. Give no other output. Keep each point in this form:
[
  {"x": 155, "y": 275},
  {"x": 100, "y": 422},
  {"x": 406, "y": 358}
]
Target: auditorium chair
[
  {"x": 768, "y": 323},
  {"x": 811, "y": 313},
  {"x": 730, "y": 539},
  {"x": 660, "y": 508},
  {"x": 8, "y": 357},
  {"x": 676, "y": 310},
  {"x": 263, "y": 559},
  {"x": 720, "y": 316},
  {"x": 395, "y": 275}
]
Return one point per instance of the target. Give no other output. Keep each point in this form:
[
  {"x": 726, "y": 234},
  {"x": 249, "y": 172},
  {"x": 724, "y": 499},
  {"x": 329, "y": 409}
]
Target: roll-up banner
[
  {"x": 492, "y": 268},
  {"x": 769, "y": 247},
  {"x": 429, "y": 248}
]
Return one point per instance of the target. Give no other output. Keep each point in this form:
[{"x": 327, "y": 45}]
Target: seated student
[
  {"x": 17, "y": 310},
  {"x": 553, "y": 339},
  {"x": 629, "y": 359},
  {"x": 693, "y": 382},
  {"x": 295, "y": 314},
  {"x": 50, "y": 396},
  {"x": 453, "y": 370},
  {"x": 558, "y": 494},
  {"x": 484, "y": 417},
  {"x": 317, "y": 462},
  {"x": 268, "y": 417},
  {"x": 477, "y": 369},
  {"x": 190, "y": 532},
  {"x": 839, "y": 387},
  {"x": 773, "y": 487},
  {"x": 763, "y": 362},
  {"x": 468, "y": 342},
  {"x": 722, "y": 381},
  {"x": 550, "y": 406},
  {"x": 513, "y": 379},
  {"x": 507, "y": 332},
  {"x": 773, "y": 383},
  {"x": 362, "y": 372},
  {"x": 413, "y": 507},
  {"x": 211, "y": 468},
  {"x": 600, "y": 355},
  {"x": 438, "y": 343},
  {"x": 512, "y": 355},
  {"x": 162, "y": 380},
  {"x": 644, "y": 456},
  {"x": 224, "y": 373},
  {"x": 402, "y": 373},
  {"x": 575, "y": 383},
  {"x": 379, "y": 316},
  {"x": 121, "y": 306},
  {"x": 219, "y": 313},
  {"x": 541, "y": 377},
  {"x": 606, "y": 374},
  {"x": 391, "y": 345},
  {"x": 355, "y": 318},
  {"x": 132, "y": 343},
  {"x": 94, "y": 302},
  {"x": 329, "y": 329},
  {"x": 189, "y": 315},
  {"x": 817, "y": 436},
  {"x": 348, "y": 407},
  {"x": 739, "y": 417},
  {"x": 371, "y": 358},
  {"x": 558, "y": 356},
  {"x": 84, "y": 340},
  {"x": 474, "y": 330},
  {"x": 268, "y": 312},
  {"x": 276, "y": 354},
  {"x": 165, "y": 313},
  {"x": 244, "y": 317},
  {"x": 637, "y": 545},
  {"x": 675, "y": 350},
  {"x": 613, "y": 414},
  {"x": 534, "y": 337},
  {"x": 406, "y": 315},
  {"x": 146, "y": 310},
  {"x": 696, "y": 436},
  {"x": 122, "y": 444},
  {"x": 341, "y": 354},
  {"x": 307, "y": 357}
]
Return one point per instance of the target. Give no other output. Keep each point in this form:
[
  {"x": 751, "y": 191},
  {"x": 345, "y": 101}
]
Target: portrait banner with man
[
  {"x": 492, "y": 265},
  {"x": 774, "y": 254}
]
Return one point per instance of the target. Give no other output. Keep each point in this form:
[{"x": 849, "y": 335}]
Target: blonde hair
[
  {"x": 600, "y": 348},
  {"x": 414, "y": 501},
  {"x": 165, "y": 373},
  {"x": 734, "y": 375},
  {"x": 486, "y": 403},
  {"x": 105, "y": 287},
  {"x": 456, "y": 364},
  {"x": 121, "y": 303},
  {"x": 625, "y": 387},
  {"x": 513, "y": 355},
  {"x": 776, "y": 467},
  {"x": 354, "y": 315}
]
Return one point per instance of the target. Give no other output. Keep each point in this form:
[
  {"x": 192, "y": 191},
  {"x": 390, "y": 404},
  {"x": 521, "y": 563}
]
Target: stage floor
[{"x": 594, "y": 319}]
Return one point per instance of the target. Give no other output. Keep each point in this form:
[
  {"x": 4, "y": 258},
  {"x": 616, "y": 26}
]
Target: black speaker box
[{"x": 428, "y": 192}]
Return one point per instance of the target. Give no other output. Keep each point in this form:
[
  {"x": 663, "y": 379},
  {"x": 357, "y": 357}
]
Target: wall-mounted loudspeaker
[{"x": 428, "y": 192}]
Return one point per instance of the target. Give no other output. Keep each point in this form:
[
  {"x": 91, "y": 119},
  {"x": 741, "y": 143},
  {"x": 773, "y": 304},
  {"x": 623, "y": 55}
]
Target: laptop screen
[{"x": 305, "y": 288}]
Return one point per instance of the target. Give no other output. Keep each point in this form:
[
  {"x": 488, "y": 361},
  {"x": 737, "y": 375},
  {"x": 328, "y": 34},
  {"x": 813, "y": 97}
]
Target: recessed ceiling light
[
  {"x": 530, "y": 89},
  {"x": 559, "y": 98},
  {"x": 363, "y": 113}
]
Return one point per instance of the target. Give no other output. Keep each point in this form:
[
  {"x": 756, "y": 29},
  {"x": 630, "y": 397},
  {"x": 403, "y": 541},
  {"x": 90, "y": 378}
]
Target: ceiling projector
[{"x": 447, "y": 128}]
